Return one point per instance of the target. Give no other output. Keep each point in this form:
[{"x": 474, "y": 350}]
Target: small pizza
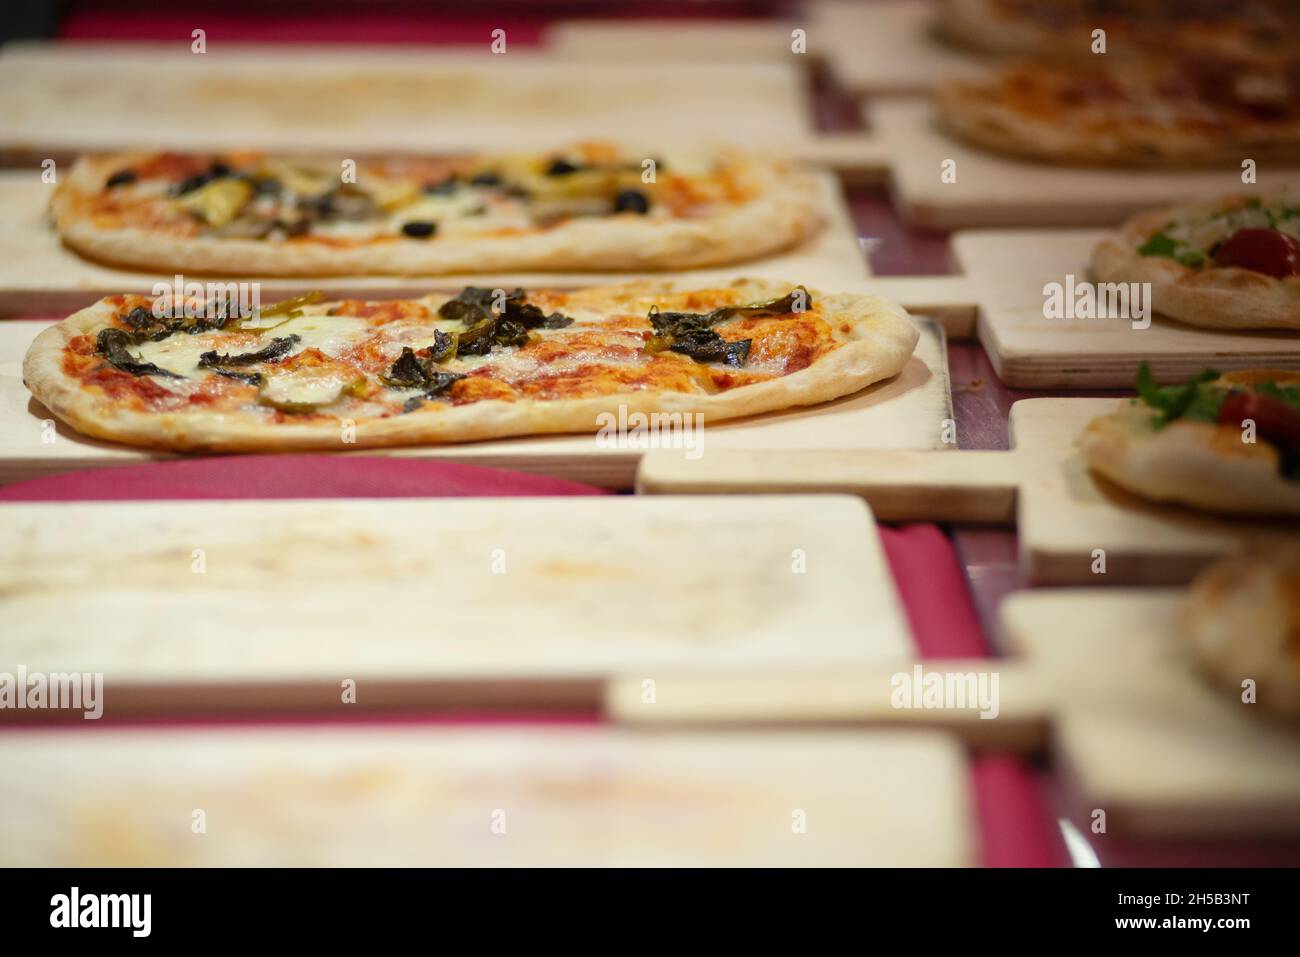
[
  {"x": 487, "y": 363},
  {"x": 1242, "y": 617},
  {"x": 590, "y": 207},
  {"x": 1223, "y": 443},
  {"x": 1228, "y": 263},
  {"x": 1059, "y": 30},
  {"x": 1196, "y": 112}
]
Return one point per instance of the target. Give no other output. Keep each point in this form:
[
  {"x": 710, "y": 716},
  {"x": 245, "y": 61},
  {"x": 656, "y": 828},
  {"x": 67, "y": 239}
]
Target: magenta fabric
[{"x": 288, "y": 476}]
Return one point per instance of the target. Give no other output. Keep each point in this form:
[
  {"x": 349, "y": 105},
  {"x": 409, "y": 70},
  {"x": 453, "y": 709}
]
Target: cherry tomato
[
  {"x": 1261, "y": 250},
  {"x": 1274, "y": 420}
]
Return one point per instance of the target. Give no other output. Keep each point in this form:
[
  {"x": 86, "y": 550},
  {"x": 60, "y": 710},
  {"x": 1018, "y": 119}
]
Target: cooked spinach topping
[
  {"x": 248, "y": 378},
  {"x": 691, "y": 333},
  {"x": 486, "y": 328},
  {"x": 147, "y": 326},
  {"x": 120, "y": 178},
  {"x": 411, "y": 371},
  {"x": 1197, "y": 399},
  {"x": 276, "y": 350},
  {"x": 113, "y": 345}
]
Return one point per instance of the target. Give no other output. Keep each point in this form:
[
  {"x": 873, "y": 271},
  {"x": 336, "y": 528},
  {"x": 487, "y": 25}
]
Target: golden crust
[
  {"x": 785, "y": 211},
  {"x": 1214, "y": 297},
  {"x": 1242, "y": 618},
  {"x": 1203, "y": 465},
  {"x": 875, "y": 338}
]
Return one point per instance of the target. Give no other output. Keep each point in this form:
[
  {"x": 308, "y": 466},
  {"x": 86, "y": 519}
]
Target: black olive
[
  {"x": 190, "y": 183},
  {"x": 631, "y": 201},
  {"x": 561, "y": 167},
  {"x": 219, "y": 170},
  {"x": 419, "y": 230},
  {"x": 121, "y": 178},
  {"x": 443, "y": 188},
  {"x": 486, "y": 179}
]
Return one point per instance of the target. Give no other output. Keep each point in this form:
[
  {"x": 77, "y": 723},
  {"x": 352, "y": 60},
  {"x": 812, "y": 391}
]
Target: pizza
[
  {"x": 1199, "y": 111},
  {"x": 1063, "y": 29},
  {"x": 1242, "y": 618},
  {"x": 592, "y": 206},
  {"x": 311, "y": 375},
  {"x": 1222, "y": 443},
  {"x": 1226, "y": 263}
]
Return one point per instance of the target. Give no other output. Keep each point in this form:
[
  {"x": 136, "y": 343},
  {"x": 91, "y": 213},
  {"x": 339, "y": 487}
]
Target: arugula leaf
[
  {"x": 1287, "y": 394},
  {"x": 1196, "y": 399},
  {"x": 1162, "y": 244}
]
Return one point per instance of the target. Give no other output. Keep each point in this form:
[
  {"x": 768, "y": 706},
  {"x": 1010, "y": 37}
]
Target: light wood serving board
[
  {"x": 595, "y": 797},
  {"x": 1096, "y": 679},
  {"x": 39, "y": 276},
  {"x": 189, "y": 606},
  {"x": 887, "y": 46},
  {"x": 907, "y": 411},
  {"x": 692, "y": 41},
  {"x": 57, "y": 100},
  {"x": 998, "y": 297},
  {"x": 994, "y": 190},
  {"x": 1063, "y": 515},
  {"x": 1141, "y": 734}
]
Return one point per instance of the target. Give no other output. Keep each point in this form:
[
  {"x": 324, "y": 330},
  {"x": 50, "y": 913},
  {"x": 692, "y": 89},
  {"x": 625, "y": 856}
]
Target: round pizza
[
  {"x": 1242, "y": 617},
  {"x": 592, "y": 206},
  {"x": 1201, "y": 111},
  {"x": 486, "y": 363},
  {"x": 1064, "y": 29},
  {"x": 1228, "y": 263},
  {"x": 1223, "y": 443}
]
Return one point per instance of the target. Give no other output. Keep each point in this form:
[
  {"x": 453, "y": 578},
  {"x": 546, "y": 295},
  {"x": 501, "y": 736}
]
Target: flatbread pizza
[
  {"x": 1222, "y": 443},
  {"x": 592, "y": 206},
  {"x": 487, "y": 363},
  {"x": 1199, "y": 111},
  {"x": 1226, "y": 263},
  {"x": 1242, "y": 618}
]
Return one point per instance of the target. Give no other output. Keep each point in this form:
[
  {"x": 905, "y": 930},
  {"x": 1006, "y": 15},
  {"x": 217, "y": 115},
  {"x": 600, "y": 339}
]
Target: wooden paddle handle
[
  {"x": 888, "y": 696},
  {"x": 899, "y": 485}
]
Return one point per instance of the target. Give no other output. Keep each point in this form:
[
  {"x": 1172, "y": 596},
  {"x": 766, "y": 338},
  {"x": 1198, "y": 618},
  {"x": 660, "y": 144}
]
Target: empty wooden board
[
  {"x": 482, "y": 797},
  {"x": 887, "y": 46},
  {"x": 995, "y": 190},
  {"x": 39, "y": 276},
  {"x": 59, "y": 100},
  {"x": 657, "y": 41},
  {"x": 1073, "y": 528},
  {"x": 1143, "y": 736},
  {"x": 482, "y": 602},
  {"x": 907, "y": 411}
]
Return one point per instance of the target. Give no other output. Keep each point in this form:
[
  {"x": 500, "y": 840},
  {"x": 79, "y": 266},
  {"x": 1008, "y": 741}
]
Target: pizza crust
[
  {"x": 787, "y": 210},
  {"x": 1199, "y": 464},
  {"x": 1215, "y": 297},
  {"x": 1242, "y": 618},
  {"x": 879, "y": 341}
]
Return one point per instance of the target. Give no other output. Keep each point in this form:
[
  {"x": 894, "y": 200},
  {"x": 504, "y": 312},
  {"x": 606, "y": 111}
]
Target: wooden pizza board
[
  {"x": 39, "y": 276},
  {"x": 888, "y": 47},
  {"x": 515, "y": 603},
  {"x": 993, "y": 190},
  {"x": 1141, "y": 734},
  {"x": 693, "y": 41},
  {"x": 907, "y": 411},
  {"x": 1062, "y": 513},
  {"x": 1097, "y": 679},
  {"x": 595, "y": 797},
  {"x": 57, "y": 100}
]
